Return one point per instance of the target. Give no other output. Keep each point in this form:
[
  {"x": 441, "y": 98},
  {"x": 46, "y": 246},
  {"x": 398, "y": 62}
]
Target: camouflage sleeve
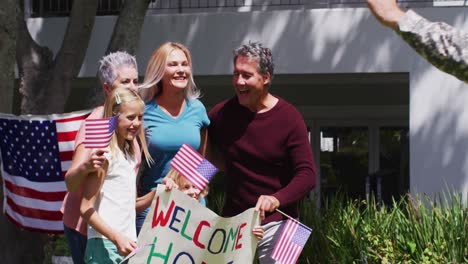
[{"x": 442, "y": 45}]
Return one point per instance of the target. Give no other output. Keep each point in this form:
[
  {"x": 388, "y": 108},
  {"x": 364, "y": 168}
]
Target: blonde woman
[
  {"x": 173, "y": 114},
  {"x": 109, "y": 198}
]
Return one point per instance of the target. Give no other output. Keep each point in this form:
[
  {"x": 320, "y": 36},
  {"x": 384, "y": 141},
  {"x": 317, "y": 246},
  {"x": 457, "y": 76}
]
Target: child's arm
[
  {"x": 91, "y": 190},
  {"x": 144, "y": 201},
  {"x": 84, "y": 162},
  {"x": 257, "y": 231}
]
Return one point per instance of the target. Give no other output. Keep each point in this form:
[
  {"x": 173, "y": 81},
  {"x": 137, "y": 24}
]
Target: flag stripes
[
  {"x": 196, "y": 169},
  {"x": 36, "y": 152},
  {"x": 291, "y": 241}
]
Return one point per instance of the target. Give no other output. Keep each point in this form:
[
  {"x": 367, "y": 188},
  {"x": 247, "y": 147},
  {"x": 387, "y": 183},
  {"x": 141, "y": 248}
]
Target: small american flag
[
  {"x": 98, "y": 132},
  {"x": 196, "y": 169},
  {"x": 36, "y": 151},
  {"x": 291, "y": 241}
]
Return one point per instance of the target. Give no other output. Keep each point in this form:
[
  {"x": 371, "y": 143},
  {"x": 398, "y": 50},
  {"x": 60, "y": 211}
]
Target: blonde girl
[{"x": 108, "y": 203}]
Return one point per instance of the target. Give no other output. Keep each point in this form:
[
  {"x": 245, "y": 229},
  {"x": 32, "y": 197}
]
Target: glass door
[
  {"x": 362, "y": 160},
  {"x": 344, "y": 160}
]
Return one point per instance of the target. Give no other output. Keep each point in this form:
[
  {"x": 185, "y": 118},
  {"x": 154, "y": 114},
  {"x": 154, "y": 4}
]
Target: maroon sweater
[{"x": 265, "y": 153}]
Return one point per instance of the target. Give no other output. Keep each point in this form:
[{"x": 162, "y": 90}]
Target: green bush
[{"x": 411, "y": 230}]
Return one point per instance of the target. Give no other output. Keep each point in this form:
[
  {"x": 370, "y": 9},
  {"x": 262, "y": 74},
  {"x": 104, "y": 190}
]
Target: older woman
[
  {"x": 173, "y": 114},
  {"x": 118, "y": 69}
]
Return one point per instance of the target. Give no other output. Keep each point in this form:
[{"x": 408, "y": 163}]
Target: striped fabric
[{"x": 36, "y": 152}]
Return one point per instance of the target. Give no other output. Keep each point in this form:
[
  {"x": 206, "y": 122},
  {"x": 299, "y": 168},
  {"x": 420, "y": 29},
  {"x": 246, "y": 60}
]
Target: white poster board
[{"x": 181, "y": 230}]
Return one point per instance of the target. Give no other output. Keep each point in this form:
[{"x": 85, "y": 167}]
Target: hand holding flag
[{"x": 193, "y": 167}]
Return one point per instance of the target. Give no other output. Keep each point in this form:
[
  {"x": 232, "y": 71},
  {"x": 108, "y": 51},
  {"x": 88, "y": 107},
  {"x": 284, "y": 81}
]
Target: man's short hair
[{"x": 262, "y": 55}]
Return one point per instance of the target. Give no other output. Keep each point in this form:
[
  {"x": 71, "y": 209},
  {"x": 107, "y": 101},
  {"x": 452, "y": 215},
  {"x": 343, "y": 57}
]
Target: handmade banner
[
  {"x": 36, "y": 151},
  {"x": 184, "y": 231}
]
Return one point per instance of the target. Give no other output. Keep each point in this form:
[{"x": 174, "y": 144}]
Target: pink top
[{"x": 71, "y": 203}]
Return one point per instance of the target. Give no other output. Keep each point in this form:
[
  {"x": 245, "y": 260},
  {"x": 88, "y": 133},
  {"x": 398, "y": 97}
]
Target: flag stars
[{"x": 32, "y": 149}]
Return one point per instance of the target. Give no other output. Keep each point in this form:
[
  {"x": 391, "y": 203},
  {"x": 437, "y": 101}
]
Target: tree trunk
[
  {"x": 45, "y": 82},
  {"x": 125, "y": 37},
  {"x": 16, "y": 246},
  {"x": 7, "y": 53}
]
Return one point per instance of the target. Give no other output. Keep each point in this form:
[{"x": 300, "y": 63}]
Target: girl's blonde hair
[
  {"x": 152, "y": 85},
  {"x": 177, "y": 178},
  {"x": 116, "y": 99}
]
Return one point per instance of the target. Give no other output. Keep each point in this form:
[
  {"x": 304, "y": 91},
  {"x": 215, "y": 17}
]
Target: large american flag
[
  {"x": 98, "y": 132},
  {"x": 291, "y": 241},
  {"x": 36, "y": 152},
  {"x": 196, "y": 169}
]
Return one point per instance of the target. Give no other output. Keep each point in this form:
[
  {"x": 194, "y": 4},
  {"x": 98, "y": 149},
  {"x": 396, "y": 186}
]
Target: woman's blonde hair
[
  {"x": 177, "y": 178},
  {"x": 152, "y": 85},
  {"x": 119, "y": 97}
]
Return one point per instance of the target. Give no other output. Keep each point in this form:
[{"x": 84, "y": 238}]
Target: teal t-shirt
[{"x": 165, "y": 135}]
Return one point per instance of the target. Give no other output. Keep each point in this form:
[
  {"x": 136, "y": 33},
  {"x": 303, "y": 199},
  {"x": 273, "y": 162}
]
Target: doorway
[{"x": 361, "y": 158}]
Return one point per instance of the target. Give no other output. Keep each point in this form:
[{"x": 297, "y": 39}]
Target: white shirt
[{"x": 116, "y": 201}]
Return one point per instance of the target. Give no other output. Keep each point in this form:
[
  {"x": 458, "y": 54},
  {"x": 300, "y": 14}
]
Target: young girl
[{"x": 108, "y": 203}]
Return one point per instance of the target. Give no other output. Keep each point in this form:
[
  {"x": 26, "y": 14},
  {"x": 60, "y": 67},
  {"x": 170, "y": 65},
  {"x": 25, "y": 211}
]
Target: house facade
[{"x": 381, "y": 119}]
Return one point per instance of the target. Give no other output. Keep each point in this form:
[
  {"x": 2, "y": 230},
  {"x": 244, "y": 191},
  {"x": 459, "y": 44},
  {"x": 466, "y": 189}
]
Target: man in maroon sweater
[{"x": 264, "y": 143}]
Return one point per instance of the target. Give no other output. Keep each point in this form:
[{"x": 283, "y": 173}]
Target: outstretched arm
[
  {"x": 439, "y": 43},
  {"x": 387, "y": 12}
]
